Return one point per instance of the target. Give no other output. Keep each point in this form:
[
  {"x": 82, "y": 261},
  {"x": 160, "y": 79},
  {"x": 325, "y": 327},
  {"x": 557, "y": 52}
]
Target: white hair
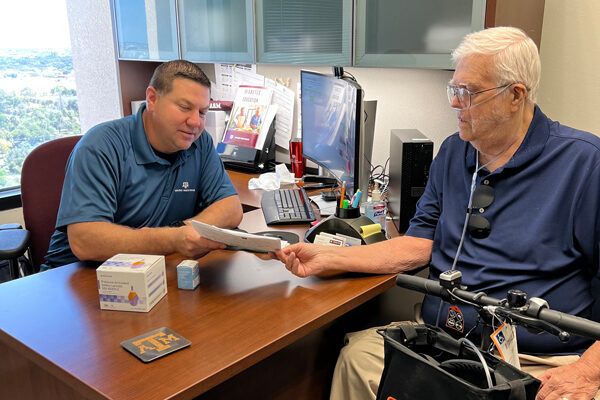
[{"x": 515, "y": 56}]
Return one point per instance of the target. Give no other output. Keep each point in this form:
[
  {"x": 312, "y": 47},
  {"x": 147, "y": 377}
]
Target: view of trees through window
[{"x": 38, "y": 100}]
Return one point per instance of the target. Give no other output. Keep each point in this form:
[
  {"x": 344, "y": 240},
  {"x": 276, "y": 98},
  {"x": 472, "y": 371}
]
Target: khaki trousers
[{"x": 360, "y": 365}]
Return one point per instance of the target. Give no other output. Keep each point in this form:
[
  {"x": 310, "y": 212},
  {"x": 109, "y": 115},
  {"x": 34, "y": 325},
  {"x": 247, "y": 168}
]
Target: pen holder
[{"x": 346, "y": 213}]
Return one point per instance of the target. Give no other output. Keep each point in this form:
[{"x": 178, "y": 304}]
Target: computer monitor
[{"x": 333, "y": 134}]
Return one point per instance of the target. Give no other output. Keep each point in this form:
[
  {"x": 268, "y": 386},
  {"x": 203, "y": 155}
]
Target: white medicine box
[{"x": 131, "y": 282}]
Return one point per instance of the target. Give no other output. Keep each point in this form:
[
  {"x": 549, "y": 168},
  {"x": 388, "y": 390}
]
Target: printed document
[{"x": 239, "y": 239}]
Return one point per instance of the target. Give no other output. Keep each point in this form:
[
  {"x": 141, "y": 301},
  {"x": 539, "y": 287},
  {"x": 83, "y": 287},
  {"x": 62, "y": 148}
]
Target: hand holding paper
[{"x": 238, "y": 239}]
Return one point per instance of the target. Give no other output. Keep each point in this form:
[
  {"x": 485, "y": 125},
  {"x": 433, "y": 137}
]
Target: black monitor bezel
[{"x": 357, "y": 132}]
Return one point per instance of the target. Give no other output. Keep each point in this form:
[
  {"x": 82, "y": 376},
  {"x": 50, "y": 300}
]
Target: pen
[
  {"x": 345, "y": 204},
  {"x": 343, "y": 194},
  {"x": 356, "y": 198}
]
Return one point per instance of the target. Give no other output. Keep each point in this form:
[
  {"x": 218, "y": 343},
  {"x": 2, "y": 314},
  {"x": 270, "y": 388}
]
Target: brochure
[
  {"x": 248, "y": 124},
  {"x": 238, "y": 239}
]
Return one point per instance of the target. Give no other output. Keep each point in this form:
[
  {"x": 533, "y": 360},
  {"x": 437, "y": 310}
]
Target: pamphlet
[
  {"x": 248, "y": 124},
  {"x": 238, "y": 239}
]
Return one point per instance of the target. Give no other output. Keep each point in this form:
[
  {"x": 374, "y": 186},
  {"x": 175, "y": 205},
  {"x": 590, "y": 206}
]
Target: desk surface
[{"x": 247, "y": 307}]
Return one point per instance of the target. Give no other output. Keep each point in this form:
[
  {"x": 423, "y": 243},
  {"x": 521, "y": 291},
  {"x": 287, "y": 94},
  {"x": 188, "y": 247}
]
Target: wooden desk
[
  {"x": 56, "y": 342},
  {"x": 249, "y": 197}
]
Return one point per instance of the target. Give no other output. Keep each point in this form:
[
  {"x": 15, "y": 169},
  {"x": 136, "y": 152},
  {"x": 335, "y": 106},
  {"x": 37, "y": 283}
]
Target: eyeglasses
[
  {"x": 479, "y": 227},
  {"x": 464, "y": 95}
]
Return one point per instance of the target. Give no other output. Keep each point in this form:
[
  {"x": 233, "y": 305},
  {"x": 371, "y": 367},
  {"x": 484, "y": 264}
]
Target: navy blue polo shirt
[
  {"x": 545, "y": 224},
  {"x": 114, "y": 175}
]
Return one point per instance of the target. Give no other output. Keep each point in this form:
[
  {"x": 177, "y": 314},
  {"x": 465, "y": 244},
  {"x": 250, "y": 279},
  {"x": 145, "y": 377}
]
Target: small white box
[
  {"x": 215, "y": 125},
  {"x": 131, "y": 282},
  {"x": 188, "y": 275}
]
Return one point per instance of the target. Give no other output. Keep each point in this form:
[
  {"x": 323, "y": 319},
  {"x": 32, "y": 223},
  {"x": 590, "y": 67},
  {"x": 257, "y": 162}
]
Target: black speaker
[{"x": 411, "y": 154}]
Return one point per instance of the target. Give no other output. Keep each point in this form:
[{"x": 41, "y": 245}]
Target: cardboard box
[
  {"x": 131, "y": 282},
  {"x": 188, "y": 275}
]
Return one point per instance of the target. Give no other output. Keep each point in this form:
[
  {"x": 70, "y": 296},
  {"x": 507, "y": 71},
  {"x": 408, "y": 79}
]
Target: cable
[
  {"x": 381, "y": 177},
  {"x": 350, "y": 76},
  {"x": 474, "y": 326},
  {"x": 486, "y": 369},
  {"x": 450, "y": 292}
]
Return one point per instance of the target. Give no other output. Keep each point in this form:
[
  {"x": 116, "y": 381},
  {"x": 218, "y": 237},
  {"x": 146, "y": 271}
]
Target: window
[{"x": 38, "y": 101}]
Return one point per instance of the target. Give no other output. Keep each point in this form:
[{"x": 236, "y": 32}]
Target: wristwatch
[{"x": 177, "y": 224}]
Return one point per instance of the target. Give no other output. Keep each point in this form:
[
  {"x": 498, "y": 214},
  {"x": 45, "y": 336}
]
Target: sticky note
[{"x": 368, "y": 230}]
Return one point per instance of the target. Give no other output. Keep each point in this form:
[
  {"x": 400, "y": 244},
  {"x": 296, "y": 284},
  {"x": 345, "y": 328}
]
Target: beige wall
[
  {"x": 406, "y": 99},
  {"x": 94, "y": 61},
  {"x": 12, "y": 216},
  {"x": 570, "y": 53}
]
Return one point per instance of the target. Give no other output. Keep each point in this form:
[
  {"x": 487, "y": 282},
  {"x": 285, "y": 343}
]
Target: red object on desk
[{"x": 296, "y": 159}]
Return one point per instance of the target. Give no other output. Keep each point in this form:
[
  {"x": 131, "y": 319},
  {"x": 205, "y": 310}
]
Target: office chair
[
  {"x": 42, "y": 179},
  {"x": 14, "y": 241}
]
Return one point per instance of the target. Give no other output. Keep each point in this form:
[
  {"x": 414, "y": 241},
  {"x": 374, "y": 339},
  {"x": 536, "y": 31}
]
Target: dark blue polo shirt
[
  {"x": 114, "y": 175},
  {"x": 545, "y": 224}
]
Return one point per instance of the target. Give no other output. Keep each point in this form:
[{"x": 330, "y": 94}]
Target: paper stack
[{"x": 338, "y": 239}]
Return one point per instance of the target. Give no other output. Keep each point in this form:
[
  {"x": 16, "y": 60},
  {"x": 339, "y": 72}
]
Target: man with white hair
[{"x": 536, "y": 229}]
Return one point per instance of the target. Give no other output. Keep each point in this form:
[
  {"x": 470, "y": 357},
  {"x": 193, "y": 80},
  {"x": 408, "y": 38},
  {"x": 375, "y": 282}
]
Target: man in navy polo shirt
[
  {"x": 538, "y": 230},
  {"x": 131, "y": 183}
]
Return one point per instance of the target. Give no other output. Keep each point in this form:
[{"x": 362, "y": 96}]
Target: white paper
[
  {"x": 216, "y": 91},
  {"x": 325, "y": 207},
  {"x": 226, "y": 84},
  {"x": 264, "y": 130},
  {"x": 284, "y": 98},
  {"x": 285, "y": 177},
  {"x": 246, "y": 77},
  {"x": 236, "y": 238}
]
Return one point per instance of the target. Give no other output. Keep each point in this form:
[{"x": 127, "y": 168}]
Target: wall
[
  {"x": 12, "y": 216},
  {"x": 406, "y": 98},
  {"x": 570, "y": 53},
  {"x": 94, "y": 61}
]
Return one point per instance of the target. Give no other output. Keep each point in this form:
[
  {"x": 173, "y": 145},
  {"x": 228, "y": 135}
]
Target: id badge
[{"x": 505, "y": 341}]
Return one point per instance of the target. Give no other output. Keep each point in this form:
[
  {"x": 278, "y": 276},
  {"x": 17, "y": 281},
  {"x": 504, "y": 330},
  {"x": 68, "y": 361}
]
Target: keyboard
[{"x": 287, "y": 206}]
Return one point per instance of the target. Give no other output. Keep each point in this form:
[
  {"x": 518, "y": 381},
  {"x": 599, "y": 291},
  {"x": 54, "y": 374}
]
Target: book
[{"x": 250, "y": 118}]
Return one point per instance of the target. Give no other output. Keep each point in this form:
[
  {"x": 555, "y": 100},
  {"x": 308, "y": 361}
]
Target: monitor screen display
[{"x": 330, "y": 126}]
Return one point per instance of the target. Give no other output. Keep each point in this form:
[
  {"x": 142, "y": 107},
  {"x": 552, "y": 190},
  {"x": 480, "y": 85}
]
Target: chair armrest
[{"x": 10, "y": 226}]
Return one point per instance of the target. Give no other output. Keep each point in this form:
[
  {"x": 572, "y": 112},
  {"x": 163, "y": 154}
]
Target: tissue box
[
  {"x": 188, "y": 275},
  {"x": 131, "y": 282}
]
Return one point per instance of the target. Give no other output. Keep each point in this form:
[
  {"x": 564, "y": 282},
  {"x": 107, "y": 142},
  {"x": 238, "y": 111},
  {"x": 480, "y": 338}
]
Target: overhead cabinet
[
  {"x": 146, "y": 29},
  {"x": 313, "y": 32},
  {"x": 408, "y": 33},
  {"x": 369, "y": 33},
  {"x": 216, "y": 30}
]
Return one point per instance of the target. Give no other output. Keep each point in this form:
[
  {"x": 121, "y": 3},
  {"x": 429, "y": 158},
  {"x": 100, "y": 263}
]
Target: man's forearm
[
  {"x": 225, "y": 213},
  {"x": 388, "y": 257},
  {"x": 101, "y": 240}
]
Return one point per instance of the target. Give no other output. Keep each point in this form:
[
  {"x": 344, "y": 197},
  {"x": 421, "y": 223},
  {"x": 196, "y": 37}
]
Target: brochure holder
[
  {"x": 348, "y": 225},
  {"x": 249, "y": 159}
]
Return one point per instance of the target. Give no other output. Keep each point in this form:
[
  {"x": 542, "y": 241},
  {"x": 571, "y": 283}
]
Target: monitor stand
[
  {"x": 319, "y": 179},
  {"x": 324, "y": 178}
]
